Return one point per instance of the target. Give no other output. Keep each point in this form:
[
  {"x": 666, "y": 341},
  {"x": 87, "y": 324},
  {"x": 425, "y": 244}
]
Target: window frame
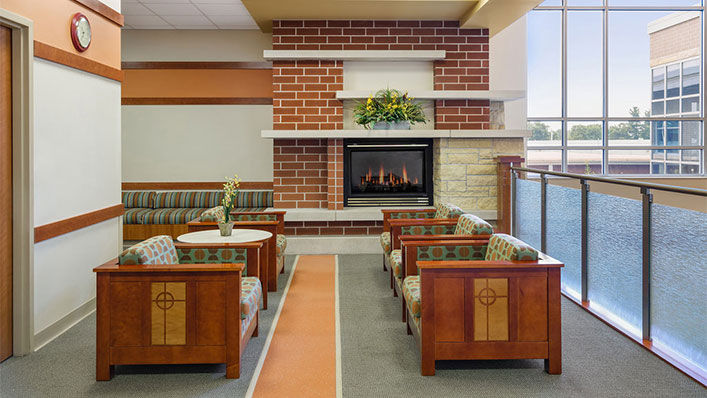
[{"x": 605, "y": 120}]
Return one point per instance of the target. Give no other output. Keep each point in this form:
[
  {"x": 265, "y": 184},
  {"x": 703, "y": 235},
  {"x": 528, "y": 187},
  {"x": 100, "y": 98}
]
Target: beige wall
[
  {"x": 195, "y": 142},
  {"x": 676, "y": 42},
  {"x": 195, "y": 45}
]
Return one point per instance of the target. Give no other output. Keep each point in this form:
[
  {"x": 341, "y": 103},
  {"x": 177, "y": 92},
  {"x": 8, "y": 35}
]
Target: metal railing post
[
  {"x": 543, "y": 213},
  {"x": 585, "y": 241},
  {"x": 514, "y": 177},
  {"x": 646, "y": 273}
]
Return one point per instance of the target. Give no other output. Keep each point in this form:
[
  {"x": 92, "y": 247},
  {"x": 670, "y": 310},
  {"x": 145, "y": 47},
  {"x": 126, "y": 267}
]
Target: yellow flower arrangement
[
  {"x": 388, "y": 105},
  {"x": 230, "y": 191}
]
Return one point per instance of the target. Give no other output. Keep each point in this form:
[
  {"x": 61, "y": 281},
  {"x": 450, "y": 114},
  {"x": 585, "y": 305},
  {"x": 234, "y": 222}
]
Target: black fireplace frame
[{"x": 383, "y": 145}]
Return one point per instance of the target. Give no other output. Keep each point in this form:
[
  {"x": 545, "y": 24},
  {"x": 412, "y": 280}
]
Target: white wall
[
  {"x": 76, "y": 170},
  {"x": 196, "y": 142},
  {"x": 508, "y": 69}
]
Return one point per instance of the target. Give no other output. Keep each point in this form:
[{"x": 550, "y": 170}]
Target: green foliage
[
  {"x": 630, "y": 130},
  {"x": 388, "y": 106}
]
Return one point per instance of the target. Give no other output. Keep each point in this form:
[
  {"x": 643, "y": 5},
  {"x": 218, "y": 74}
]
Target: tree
[{"x": 542, "y": 132}]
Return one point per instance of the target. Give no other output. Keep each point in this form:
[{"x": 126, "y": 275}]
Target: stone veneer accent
[
  {"x": 304, "y": 94},
  {"x": 465, "y": 170}
]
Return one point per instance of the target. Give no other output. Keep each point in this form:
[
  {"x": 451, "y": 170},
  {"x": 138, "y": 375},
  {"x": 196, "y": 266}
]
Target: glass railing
[{"x": 637, "y": 265}]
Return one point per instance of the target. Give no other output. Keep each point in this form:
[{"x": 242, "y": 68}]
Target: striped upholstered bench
[{"x": 150, "y": 213}]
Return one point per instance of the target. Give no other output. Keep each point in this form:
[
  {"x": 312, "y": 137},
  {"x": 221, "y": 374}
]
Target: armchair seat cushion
[
  {"x": 411, "y": 291},
  {"x": 396, "y": 262},
  {"x": 385, "y": 242},
  {"x": 176, "y": 215},
  {"x": 251, "y": 295},
  {"x": 135, "y": 215},
  {"x": 281, "y": 244}
]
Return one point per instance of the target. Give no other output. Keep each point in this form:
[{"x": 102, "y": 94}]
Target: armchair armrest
[
  {"x": 411, "y": 214},
  {"x": 412, "y": 238},
  {"x": 279, "y": 217},
  {"x": 112, "y": 266}
]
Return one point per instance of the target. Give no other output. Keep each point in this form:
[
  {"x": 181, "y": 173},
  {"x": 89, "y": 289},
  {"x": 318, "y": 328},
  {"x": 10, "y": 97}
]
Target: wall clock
[{"x": 80, "y": 32}]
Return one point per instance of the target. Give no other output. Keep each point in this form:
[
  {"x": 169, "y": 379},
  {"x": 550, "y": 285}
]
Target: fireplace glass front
[{"x": 387, "y": 172}]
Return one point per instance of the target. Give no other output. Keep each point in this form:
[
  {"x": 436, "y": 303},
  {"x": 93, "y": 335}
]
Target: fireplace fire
[{"x": 387, "y": 172}]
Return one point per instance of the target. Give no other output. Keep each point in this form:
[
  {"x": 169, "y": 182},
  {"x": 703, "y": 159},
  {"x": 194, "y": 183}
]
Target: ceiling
[
  {"x": 186, "y": 14},
  {"x": 259, "y": 14}
]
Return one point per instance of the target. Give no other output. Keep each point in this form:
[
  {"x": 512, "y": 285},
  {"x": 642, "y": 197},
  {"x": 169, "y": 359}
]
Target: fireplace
[{"x": 388, "y": 172}]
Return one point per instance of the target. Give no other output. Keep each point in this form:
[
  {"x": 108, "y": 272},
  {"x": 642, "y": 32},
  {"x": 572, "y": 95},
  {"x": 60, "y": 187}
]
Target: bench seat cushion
[
  {"x": 396, "y": 262},
  {"x": 135, "y": 215},
  {"x": 385, "y": 242},
  {"x": 251, "y": 295},
  {"x": 171, "y": 215},
  {"x": 411, "y": 291},
  {"x": 281, "y": 244}
]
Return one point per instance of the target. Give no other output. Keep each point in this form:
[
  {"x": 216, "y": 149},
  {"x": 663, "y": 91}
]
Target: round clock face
[{"x": 80, "y": 32}]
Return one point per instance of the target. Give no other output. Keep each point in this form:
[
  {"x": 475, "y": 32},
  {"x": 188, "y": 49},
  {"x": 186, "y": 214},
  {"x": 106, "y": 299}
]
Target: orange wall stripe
[
  {"x": 196, "y": 101},
  {"x": 196, "y": 65},
  {"x": 197, "y": 83},
  {"x": 72, "y": 224},
  {"x": 105, "y": 11},
  {"x": 51, "y": 27},
  {"x": 60, "y": 56},
  {"x": 166, "y": 186},
  {"x": 300, "y": 360}
]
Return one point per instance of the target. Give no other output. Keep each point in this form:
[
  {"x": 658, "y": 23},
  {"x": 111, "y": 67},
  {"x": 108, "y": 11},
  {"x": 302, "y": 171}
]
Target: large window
[{"x": 617, "y": 87}]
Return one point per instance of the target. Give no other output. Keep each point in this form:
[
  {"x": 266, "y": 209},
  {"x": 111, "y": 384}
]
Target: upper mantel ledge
[
  {"x": 493, "y": 95},
  {"x": 290, "y": 134},
  {"x": 355, "y": 55}
]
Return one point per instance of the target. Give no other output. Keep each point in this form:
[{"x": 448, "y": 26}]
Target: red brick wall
[
  {"x": 304, "y": 92},
  {"x": 333, "y": 227},
  {"x": 300, "y": 173}
]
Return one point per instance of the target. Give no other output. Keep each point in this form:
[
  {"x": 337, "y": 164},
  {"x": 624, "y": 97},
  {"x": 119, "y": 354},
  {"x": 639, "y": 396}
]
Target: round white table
[{"x": 214, "y": 236}]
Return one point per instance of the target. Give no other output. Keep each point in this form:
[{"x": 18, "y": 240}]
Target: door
[{"x": 5, "y": 193}]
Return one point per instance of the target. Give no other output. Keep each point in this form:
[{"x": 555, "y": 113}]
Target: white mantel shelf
[
  {"x": 493, "y": 95},
  {"x": 358, "y": 213},
  {"x": 354, "y": 55},
  {"x": 289, "y": 134}
]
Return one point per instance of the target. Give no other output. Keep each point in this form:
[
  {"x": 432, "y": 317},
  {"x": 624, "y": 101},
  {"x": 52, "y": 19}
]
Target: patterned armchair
[
  {"x": 466, "y": 227},
  {"x": 271, "y": 221},
  {"x": 502, "y": 305},
  {"x": 162, "y": 303},
  {"x": 441, "y": 212}
]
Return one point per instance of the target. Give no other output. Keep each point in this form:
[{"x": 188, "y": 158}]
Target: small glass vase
[{"x": 226, "y": 228}]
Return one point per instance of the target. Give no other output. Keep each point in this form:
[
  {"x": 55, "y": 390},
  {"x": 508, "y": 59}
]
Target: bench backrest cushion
[
  {"x": 253, "y": 199},
  {"x": 448, "y": 210},
  {"x": 220, "y": 255},
  {"x": 136, "y": 199},
  {"x": 504, "y": 247},
  {"x": 156, "y": 250},
  {"x": 470, "y": 224},
  {"x": 193, "y": 199}
]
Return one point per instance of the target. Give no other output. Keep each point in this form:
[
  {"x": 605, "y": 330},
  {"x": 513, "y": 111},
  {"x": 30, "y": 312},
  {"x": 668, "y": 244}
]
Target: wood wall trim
[
  {"x": 196, "y": 101},
  {"x": 167, "y": 186},
  {"x": 72, "y": 224},
  {"x": 103, "y": 10},
  {"x": 54, "y": 54},
  {"x": 196, "y": 65}
]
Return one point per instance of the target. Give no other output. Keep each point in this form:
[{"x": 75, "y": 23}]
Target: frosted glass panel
[
  {"x": 564, "y": 232},
  {"x": 679, "y": 281},
  {"x": 615, "y": 257},
  {"x": 528, "y": 212}
]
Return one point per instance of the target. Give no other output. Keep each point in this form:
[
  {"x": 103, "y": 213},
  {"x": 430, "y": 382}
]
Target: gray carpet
[
  {"x": 380, "y": 360},
  {"x": 66, "y": 367}
]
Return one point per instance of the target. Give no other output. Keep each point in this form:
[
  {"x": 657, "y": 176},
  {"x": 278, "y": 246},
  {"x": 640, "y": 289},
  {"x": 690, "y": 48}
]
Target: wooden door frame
[{"x": 22, "y": 180}]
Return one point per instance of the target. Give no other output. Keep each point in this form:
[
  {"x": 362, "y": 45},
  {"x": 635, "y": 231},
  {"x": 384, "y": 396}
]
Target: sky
[{"x": 628, "y": 59}]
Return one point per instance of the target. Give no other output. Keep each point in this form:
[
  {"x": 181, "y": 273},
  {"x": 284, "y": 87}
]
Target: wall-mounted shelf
[
  {"x": 355, "y": 55},
  {"x": 289, "y": 134},
  {"x": 493, "y": 95}
]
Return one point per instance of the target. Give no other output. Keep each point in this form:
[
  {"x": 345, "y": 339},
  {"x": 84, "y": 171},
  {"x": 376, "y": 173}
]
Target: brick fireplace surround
[{"x": 308, "y": 173}]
